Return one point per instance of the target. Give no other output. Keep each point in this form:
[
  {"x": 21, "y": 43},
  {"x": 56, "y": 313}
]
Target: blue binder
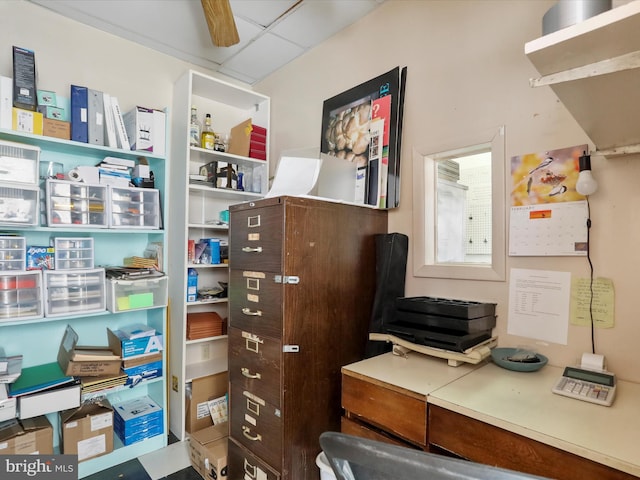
[{"x": 79, "y": 114}]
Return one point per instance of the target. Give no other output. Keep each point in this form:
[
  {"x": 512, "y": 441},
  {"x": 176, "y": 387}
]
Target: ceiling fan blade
[{"x": 222, "y": 26}]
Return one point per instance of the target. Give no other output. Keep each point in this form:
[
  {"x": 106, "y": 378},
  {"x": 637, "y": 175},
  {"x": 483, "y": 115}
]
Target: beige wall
[{"x": 467, "y": 72}]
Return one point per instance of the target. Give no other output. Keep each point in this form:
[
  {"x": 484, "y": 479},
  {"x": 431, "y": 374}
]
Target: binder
[
  {"x": 123, "y": 140},
  {"x": 111, "y": 140},
  {"x": 95, "y": 111},
  {"x": 79, "y": 114}
]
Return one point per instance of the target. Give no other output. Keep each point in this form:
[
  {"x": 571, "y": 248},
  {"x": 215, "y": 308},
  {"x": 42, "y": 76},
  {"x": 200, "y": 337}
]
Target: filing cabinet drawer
[
  {"x": 244, "y": 465},
  {"x": 256, "y": 303},
  {"x": 254, "y": 363},
  {"x": 397, "y": 413},
  {"x": 256, "y": 239},
  {"x": 257, "y": 425}
]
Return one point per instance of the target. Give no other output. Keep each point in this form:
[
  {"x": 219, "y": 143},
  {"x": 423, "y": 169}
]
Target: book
[
  {"x": 39, "y": 378},
  {"x": 123, "y": 139},
  {"x": 111, "y": 139}
]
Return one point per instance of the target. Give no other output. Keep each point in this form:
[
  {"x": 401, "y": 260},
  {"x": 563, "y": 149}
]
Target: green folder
[{"x": 38, "y": 378}]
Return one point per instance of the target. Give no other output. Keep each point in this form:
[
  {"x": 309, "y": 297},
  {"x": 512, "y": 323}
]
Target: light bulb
[{"x": 586, "y": 184}]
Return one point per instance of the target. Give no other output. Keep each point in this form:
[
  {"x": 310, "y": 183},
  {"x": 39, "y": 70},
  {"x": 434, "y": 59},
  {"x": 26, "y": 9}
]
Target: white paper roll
[
  {"x": 74, "y": 175},
  {"x": 592, "y": 361}
]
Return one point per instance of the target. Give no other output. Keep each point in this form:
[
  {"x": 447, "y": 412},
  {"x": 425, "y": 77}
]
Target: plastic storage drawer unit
[
  {"x": 12, "y": 254},
  {"x": 19, "y": 163},
  {"x": 19, "y": 205},
  {"x": 20, "y": 296},
  {"x": 74, "y": 203},
  {"x": 73, "y": 253},
  {"x": 77, "y": 291},
  {"x": 134, "y": 208},
  {"x": 149, "y": 292}
]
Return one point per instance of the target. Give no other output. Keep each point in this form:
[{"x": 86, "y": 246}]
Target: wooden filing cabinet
[{"x": 302, "y": 282}]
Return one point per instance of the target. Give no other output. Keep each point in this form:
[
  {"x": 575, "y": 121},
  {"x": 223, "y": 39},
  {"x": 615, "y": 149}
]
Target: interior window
[{"x": 459, "y": 216}]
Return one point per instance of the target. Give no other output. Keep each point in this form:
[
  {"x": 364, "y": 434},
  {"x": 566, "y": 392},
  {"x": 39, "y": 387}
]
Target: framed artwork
[{"x": 364, "y": 125}]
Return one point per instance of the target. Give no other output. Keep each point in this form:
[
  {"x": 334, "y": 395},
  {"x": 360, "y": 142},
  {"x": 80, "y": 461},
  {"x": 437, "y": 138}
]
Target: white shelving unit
[
  {"x": 195, "y": 210},
  {"x": 594, "y": 67},
  {"x": 38, "y": 339}
]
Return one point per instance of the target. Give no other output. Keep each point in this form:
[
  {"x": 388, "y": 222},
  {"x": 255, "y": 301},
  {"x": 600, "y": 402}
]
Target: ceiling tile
[
  {"x": 260, "y": 11},
  {"x": 263, "y": 56},
  {"x": 315, "y": 21}
]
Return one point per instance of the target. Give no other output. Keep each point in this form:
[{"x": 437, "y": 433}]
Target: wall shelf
[{"x": 594, "y": 67}]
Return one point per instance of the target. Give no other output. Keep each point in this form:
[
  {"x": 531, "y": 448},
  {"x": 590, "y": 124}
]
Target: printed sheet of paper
[
  {"x": 539, "y": 304},
  {"x": 602, "y": 305}
]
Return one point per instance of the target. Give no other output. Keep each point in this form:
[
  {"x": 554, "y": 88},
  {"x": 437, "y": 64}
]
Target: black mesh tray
[
  {"x": 446, "y": 306},
  {"x": 464, "y": 325},
  {"x": 445, "y": 339}
]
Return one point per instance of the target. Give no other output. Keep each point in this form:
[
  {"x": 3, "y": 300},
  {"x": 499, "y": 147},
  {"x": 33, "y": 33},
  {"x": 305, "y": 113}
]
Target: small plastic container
[
  {"x": 139, "y": 294},
  {"x": 79, "y": 291},
  {"x": 19, "y": 163},
  {"x": 12, "y": 254},
  {"x": 134, "y": 208},
  {"x": 76, "y": 204},
  {"x": 19, "y": 205},
  {"x": 21, "y": 296},
  {"x": 73, "y": 253}
]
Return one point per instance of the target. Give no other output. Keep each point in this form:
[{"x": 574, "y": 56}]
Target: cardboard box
[
  {"x": 56, "y": 128},
  {"x": 86, "y": 361},
  {"x": 192, "y": 285},
  {"x": 202, "y": 390},
  {"x": 208, "y": 450},
  {"x": 240, "y": 138},
  {"x": 87, "y": 431},
  {"x": 125, "y": 348},
  {"x": 32, "y": 436},
  {"x": 140, "y": 373},
  {"x": 27, "y": 121}
]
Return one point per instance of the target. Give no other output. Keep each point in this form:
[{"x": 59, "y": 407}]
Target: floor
[{"x": 170, "y": 463}]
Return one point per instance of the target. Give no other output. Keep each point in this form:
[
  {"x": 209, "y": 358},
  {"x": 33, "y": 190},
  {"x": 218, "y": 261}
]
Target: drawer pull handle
[
  {"x": 252, "y": 249},
  {"x": 246, "y": 431},
  {"x": 245, "y": 372},
  {"x": 252, "y": 313}
]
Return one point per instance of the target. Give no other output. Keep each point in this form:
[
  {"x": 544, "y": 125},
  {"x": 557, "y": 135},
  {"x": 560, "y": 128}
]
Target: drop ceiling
[{"x": 272, "y": 32}]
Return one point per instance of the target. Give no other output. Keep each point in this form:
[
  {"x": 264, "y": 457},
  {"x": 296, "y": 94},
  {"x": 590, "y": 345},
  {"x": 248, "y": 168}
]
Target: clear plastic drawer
[
  {"x": 124, "y": 295},
  {"x": 19, "y": 163},
  {"x": 19, "y": 205},
  {"x": 69, "y": 293},
  {"x": 134, "y": 208},
  {"x": 20, "y": 296},
  {"x": 73, "y": 253},
  {"x": 76, "y": 204},
  {"x": 12, "y": 254}
]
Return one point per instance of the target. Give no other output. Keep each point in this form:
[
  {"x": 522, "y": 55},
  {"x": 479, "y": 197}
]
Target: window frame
[{"x": 424, "y": 211}]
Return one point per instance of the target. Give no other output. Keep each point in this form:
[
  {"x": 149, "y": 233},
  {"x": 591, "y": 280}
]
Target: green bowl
[{"x": 501, "y": 357}]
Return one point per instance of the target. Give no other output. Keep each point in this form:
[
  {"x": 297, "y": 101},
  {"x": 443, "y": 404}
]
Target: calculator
[{"x": 587, "y": 385}]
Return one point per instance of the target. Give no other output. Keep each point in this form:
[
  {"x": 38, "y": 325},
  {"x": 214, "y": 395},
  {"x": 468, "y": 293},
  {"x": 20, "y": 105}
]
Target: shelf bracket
[{"x": 628, "y": 61}]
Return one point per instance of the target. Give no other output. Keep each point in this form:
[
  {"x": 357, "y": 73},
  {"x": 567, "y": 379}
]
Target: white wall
[{"x": 466, "y": 72}]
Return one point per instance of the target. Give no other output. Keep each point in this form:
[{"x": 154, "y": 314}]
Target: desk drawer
[
  {"x": 484, "y": 443},
  {"x": 390, "y": 410},
  {"x": 255, "y": 302},
  {"x": 254, "y": 364},
  {"x": 244, "y": 465}
]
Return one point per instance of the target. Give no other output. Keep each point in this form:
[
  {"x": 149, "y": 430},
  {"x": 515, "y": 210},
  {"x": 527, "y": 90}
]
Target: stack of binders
[{"x": 454, "y": 325}]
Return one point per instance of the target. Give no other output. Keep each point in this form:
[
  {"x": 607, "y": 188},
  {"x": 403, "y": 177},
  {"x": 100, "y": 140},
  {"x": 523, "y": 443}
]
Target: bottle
[
  {"x": 194, "y": 128},
  {"x": 208, "y": 138}
]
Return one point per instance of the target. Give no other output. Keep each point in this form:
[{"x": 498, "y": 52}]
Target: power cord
[{"x": 593, "y": 342}]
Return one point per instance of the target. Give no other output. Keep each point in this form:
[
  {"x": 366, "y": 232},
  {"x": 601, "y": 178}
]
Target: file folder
[
  {"x": 38, "y": 378},
  {"x": 79, "y": 114}
]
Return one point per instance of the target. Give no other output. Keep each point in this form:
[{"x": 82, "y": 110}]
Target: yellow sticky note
[{"x": 602, "y": 304}]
